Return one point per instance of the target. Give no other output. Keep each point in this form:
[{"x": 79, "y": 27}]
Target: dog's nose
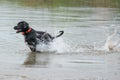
[{"x": 15, "y": 27}]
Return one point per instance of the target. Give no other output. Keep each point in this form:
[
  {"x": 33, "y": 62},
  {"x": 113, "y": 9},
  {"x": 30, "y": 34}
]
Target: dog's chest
[{"x": 30, "y": 39}]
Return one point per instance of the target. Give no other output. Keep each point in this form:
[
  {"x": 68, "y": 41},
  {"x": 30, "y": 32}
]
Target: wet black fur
[{"x": 34, "y": 37}]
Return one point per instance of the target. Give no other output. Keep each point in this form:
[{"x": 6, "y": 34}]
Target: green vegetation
[{"x": 76, "y": 3}]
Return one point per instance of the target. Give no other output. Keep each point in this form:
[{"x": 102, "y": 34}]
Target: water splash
[
  {"x": 43, "y": 47},
  {"x": 99, "y": 46},
  {"x": 112, "y": 41},
  {"x": 58, "y": 45}
]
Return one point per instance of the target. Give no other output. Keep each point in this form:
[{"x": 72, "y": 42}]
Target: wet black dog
[{"x": 33, "y": 37}]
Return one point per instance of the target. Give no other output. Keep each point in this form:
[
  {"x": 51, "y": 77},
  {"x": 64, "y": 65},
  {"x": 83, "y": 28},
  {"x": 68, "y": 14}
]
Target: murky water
[{"x": 80, "y": 48}]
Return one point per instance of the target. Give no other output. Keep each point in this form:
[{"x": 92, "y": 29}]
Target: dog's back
[{"x": 44, "y": 36}]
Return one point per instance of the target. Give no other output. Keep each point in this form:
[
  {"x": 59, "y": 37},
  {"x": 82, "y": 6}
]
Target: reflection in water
[
  {"x": 41, "y": 59},
  {"x": 31, "y": 59}
]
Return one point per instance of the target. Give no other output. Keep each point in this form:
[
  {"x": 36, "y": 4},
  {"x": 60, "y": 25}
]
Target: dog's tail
[{"x": 61, "y": 33}]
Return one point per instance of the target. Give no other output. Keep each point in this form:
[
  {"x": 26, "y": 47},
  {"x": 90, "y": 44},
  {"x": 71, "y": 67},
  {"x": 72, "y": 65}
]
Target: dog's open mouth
[{"x": 17, "y": 31}]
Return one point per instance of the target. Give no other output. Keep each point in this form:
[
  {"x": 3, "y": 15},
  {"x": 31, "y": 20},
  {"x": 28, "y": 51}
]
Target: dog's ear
[{"x": 26, "y": 25}]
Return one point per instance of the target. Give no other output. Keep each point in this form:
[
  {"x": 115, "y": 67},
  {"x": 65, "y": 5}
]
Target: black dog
[{"x": 33, "y": 37}]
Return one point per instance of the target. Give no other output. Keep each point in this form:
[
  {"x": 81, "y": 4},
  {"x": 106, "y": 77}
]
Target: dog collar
[{"x": 28, "y": 31}]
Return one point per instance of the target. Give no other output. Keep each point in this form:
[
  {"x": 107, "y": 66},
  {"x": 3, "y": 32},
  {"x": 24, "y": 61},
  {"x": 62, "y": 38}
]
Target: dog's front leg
[
  {"x": 31, "y": 45},
  {"x": 31, "y": 42},
  {"x": 33, "y": 49}
]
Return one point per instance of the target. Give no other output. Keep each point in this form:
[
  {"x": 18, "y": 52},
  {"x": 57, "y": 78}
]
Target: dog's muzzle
[{"x": 18, "y": 30}]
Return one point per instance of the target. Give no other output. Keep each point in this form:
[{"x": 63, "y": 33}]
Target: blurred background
[{"x": 65, "y": 3}]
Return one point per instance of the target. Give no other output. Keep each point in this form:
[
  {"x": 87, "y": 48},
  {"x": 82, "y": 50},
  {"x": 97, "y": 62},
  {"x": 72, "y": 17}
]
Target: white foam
[
  {"x": 112, "y": 41},
  {"x": 58, "y": 45},
  {"x": 42, "y": 47}
]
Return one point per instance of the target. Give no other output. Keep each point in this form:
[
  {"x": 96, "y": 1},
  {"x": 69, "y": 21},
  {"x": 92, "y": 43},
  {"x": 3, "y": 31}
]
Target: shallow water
[{"x": 80, "y": 48}]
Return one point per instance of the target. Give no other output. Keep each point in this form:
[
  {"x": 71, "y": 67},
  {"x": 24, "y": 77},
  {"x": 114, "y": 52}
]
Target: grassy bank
[{"x": 72, "y": 3}]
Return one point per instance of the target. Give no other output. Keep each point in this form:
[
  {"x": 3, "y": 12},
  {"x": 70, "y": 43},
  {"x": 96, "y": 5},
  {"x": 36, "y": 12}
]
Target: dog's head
[{"x": 22, "y": 27}]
